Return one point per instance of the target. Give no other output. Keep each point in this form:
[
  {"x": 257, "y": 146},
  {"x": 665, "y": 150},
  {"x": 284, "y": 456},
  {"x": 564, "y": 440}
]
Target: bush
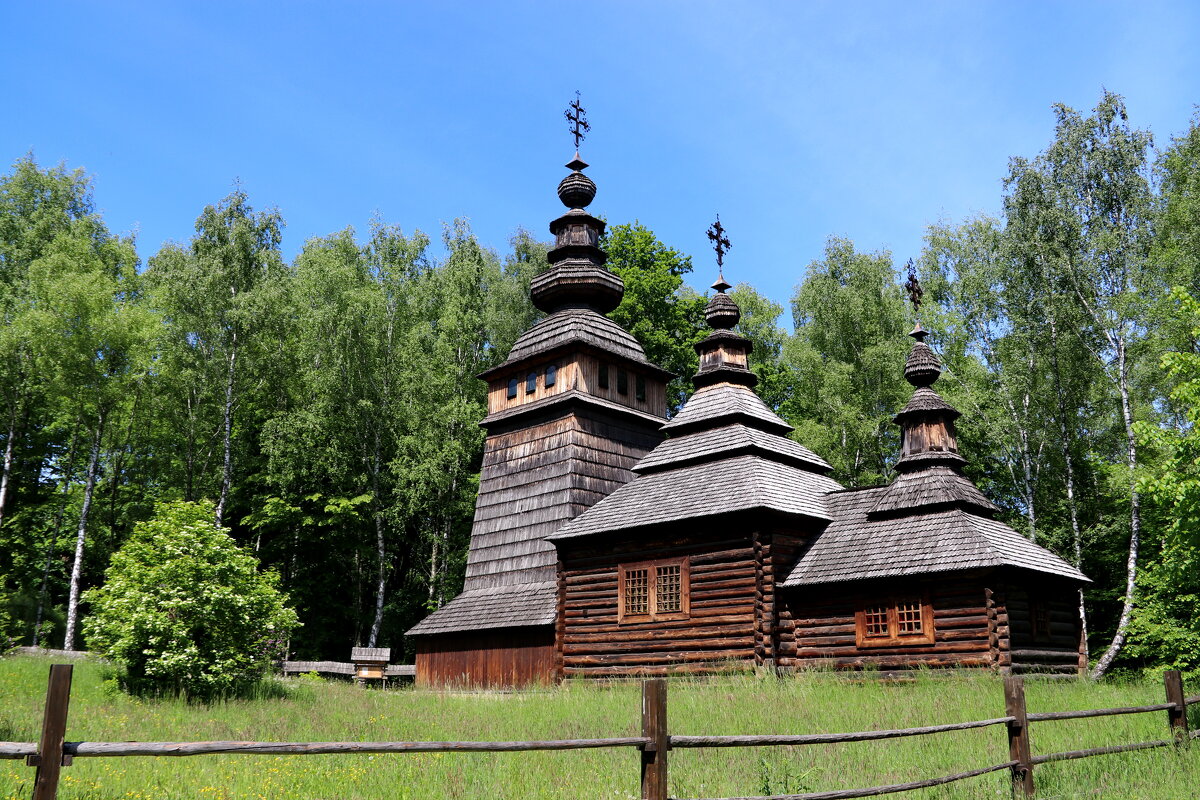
[{"x": 185, "y": 610}]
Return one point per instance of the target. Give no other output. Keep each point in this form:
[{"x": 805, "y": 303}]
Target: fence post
[
  {"x": 1018, "y": 735},
  {"x": 654, "y": 728},
  {"x": 1177, "y": 716},
  {"x": 49, "y": 759}
]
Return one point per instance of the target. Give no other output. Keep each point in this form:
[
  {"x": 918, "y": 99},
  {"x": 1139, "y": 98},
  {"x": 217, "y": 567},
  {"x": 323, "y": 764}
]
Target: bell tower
[{"x": 571, "y": 410}]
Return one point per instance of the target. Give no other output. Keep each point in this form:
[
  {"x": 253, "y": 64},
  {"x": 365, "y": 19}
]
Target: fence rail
[{"x": 53, "y": 752}]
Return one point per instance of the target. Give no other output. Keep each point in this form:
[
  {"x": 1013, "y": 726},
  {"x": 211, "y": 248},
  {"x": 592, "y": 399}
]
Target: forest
[{"x": 328, "y": 407}]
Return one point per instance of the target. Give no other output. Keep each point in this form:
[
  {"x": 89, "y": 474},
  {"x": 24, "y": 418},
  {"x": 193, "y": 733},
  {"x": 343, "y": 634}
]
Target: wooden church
[{"x": 611, "y": 541}]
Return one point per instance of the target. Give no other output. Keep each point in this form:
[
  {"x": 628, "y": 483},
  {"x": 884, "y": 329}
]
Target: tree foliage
[{"x": 185, "y": 610}]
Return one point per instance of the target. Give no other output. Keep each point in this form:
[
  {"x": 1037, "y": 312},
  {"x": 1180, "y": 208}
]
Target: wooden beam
[{"x": 49, "y": 760}]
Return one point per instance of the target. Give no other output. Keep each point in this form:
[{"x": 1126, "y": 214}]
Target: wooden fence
[{"x": 53, "y": 752}]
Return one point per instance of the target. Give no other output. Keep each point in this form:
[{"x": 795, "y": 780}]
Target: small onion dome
[
  {"x": 576, "y": 190},
  {"x": 922, "y": 367},
  {"x": 721, "y": 312}
]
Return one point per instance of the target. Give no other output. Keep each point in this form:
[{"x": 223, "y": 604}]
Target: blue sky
[{"x": 795, "y": 121}]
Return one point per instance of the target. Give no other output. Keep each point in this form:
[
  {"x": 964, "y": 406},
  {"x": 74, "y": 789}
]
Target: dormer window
[
  {"x": 639, "y": 388},
  {"x": 622, "y": 382},
  {"x": 531, "y": 383},
  {"x": 603, "y": 382},
  {"x": 551, "y": 375},
  {"x": 512, "y": 388}
]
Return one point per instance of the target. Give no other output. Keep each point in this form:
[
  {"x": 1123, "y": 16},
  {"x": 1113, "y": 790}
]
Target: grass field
[{"x": 810, "y": 703}]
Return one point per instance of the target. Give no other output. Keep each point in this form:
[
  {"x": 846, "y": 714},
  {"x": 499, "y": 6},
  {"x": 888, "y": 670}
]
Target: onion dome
[
  {"x": 577, "y": 276},
  {"x": 922, "y": 367},
  {"x": 722, "y": 313}
]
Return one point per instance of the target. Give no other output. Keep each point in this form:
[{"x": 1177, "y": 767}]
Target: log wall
[
  {"x": 1057, "y": 650},
  {"x": 729, "y": 590},
  {"x": 503, "y": 657},
  {"x": 817, "y": 627}
]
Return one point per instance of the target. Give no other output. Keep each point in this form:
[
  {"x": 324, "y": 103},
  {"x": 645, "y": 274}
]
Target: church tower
[{"x": 571, "y": 410}]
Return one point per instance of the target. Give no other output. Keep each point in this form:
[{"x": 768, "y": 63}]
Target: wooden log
[
  {"x": 1177, "y": 713},
  {"x": 639, "y": 671},
  {"x": 654, "y": 730},
  {"x": 17, "y": 749},
  {"x": 628, "y": 660},
  {"x": 1096, "y": 712},
  {"x": 587, "y": 632},
  {"x": 828, "y": 738},
  {"x": 1099, "y": 751},
  {"x": 1018, "y": 736},
  {"x": 50, "y": 753},
  {"x": 695, "y": 642},
  {"x": 875, "y": 791},
  {"x": 107, "y": 749},
  {"x": 1055, "y": 655},
  {"x": 675, "y": 633}
]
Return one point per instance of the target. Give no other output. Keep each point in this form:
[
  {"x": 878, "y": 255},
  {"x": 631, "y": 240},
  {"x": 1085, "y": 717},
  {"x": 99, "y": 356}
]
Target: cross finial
[
  {"x": 913, "y": 287},
  {"x": 716, "y": 235},
  {"x": 577, "y": 117}
]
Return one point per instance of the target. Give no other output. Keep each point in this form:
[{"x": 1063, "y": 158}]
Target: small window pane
[
  {"x": 551, "y": 375},
  {"x": 604, "y": 376},
  {"x": 876, "y": 621},
  {"x": 637, "y": 591},
  {"x": 512, "y": 388},
  {"x": 639, "y": 390},
  {"x": 531, "y": 382},
  {"x": 908, "y": 618},
  {"x": 622, "y": 382},
  {"x": 667, "y": 595}
]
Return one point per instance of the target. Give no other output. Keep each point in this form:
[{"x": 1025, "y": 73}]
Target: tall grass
[{"x": 807, "y": 703}]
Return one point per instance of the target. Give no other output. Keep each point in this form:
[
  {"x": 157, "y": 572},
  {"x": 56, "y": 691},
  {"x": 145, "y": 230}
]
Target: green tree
[
  {"x": 848, "y": 354},
  {"x": 220, "y": 299},
  {"x": 185, "y": 610},
  {"x": 1165, "y": 629},
  {"x": 1095, "y": 197}
]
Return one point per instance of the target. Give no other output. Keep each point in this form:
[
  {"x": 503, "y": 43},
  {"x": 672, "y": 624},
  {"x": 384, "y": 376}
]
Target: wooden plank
[
  {"x": 1018, "y": 736},
  {"x": 111, "y": 749},
  {"x": 654, "y": 730},
  {"x": 1177, "y": 713},
  {"x": 49, "y": 759}
]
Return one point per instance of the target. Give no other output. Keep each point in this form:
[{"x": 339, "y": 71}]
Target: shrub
[{"x": 185, "y": 610}]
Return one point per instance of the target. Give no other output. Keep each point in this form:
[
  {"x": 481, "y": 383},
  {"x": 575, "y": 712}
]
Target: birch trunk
[
  {"x": 227, "y": 435},
  {"x": 1131, "y": 563},
  {"x": 77, "y": 566},
  {"x": 380, "y": 548},
  {"x": 8, "y": 460}
]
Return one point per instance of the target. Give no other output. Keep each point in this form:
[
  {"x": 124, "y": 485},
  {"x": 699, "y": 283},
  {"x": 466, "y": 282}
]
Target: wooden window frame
[
  {"x": 551, "y": 375},
  {"x": 653, "y": 614},
  {"x": 512, "y": 388},
  {"x": 1039, "y": 620},
  {"x": 894, "y": 638},
  {"x": 531, "y": 383}
]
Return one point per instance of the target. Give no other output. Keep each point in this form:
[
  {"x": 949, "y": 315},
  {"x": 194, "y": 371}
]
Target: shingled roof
[
  {"x": 573, "y": 327},
  {"x": 856, "y": 547},
  {"x": 503, "y": 607},
  {"x": 726, "y": 453},
  {"x": 741, "y": 483}
]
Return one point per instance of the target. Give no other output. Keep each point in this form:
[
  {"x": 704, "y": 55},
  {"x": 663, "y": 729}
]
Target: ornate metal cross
[
  {"x": 716, "y": 235},
  {"x": 913, "y": 287},
  {"x": 577, "y": 117}
]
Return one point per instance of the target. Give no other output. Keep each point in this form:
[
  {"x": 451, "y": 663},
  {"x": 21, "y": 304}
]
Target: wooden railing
[{"x": 53, "y": 752}]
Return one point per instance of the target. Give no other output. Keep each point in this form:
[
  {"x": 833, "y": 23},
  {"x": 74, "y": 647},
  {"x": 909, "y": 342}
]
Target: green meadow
[{"x": 315, "y": 710}]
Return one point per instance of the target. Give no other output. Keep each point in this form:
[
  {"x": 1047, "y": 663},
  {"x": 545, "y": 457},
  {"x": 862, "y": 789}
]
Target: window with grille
[
  {"x": 1039, "y": 619},
  {"x": 653, "y": 590},
  {"x": 894, "y": 621}
]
